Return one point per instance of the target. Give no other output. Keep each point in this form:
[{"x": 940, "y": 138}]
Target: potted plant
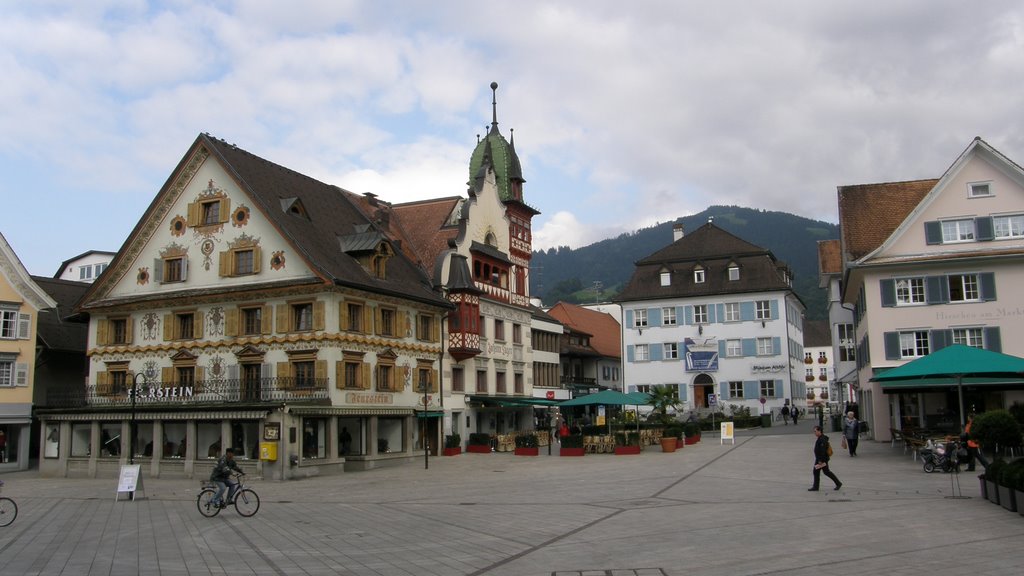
[
  {"x": 992, "y": 473},
  {"x": 627, "y": 443},
  {"x": 479, "y": 443},
  {"x": 527, "y": 444},
  {"x": 1008, "y": 480},
  {"x": 996, "y": 429},
  {"x": 670, "y": 438},
  {"x": 452, "y": 445},
  {"x": 691, "y": 431},
  {"x": 572, "y": 445}
]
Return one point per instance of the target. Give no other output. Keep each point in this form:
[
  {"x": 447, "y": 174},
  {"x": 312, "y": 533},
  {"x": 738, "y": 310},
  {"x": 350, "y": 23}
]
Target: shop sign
[{"x": 163, "y": 392}]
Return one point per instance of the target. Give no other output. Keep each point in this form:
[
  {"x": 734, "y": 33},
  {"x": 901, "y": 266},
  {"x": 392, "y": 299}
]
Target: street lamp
[{"x": 131, "y": 436}]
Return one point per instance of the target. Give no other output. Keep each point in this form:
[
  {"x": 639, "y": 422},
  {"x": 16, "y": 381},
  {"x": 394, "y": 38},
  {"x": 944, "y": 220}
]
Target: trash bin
[
  {"x": 766, "y": 420},
  {"x": 837, "y": 424}
]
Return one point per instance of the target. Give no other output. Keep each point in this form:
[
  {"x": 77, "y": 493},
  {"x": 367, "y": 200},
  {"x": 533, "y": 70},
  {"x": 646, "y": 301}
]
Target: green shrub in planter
[
  {"x": 995, "y": 470},
  {"x": 527, "y": 440},
  {"x": 572, "y": 441},
  {"x": 1012, "y": 475},
  {"x": 996, "y": 428},
  {"x": 479, "y": 439},
  {"x": 691, "y": 429},
  {"x": 673, "y": 432},
  {"x": 453, "y": 441},
  {"x": 627, "y": 439}
]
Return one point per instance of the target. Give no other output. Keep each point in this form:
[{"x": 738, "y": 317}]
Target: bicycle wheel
[
  {"x": 8, "y": 511},
  {"x": 205, "y": 503},
  {"x": 247, "y": 502}
]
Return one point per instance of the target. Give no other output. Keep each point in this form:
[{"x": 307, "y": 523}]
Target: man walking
[{"x": 821, "y": 457}]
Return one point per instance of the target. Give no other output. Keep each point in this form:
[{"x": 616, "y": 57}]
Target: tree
[
  {"x": 663, "y": 398},
  {"x": 996, "y": 429}
]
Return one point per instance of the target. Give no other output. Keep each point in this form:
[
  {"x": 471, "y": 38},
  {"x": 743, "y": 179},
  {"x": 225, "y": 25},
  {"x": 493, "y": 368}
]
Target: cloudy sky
[{"x": 625, "y": 113}]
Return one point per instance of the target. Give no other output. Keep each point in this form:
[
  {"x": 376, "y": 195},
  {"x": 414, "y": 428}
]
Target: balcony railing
[
  {"x": 208, "y": 392},
  {"x": 569, "y": 379}
]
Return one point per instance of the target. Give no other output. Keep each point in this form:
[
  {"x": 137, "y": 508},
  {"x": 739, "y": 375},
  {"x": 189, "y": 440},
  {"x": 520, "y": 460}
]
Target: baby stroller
[{"x": 940, "y": 456}]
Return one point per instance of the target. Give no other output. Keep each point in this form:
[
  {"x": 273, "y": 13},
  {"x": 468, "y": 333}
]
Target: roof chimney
[{"x": 677, "y": 231}]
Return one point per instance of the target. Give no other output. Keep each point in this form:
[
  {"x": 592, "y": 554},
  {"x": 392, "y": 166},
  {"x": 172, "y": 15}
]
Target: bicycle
[
  {"x": 8, "y": 509},
  {"x": 246, "y": 501}
]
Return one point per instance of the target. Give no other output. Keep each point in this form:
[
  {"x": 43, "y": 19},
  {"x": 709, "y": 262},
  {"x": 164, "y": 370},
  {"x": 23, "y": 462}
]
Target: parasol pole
[{"x": 960, "y": 393}]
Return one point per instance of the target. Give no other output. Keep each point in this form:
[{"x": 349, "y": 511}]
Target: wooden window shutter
[
  {"x": 197, "y": 325},
  {"x": 887, "y": 289},
  {"x": 339, "y": 374},
  {"x": 193, "y": 213},
  {"x": 129, "y": 331},
  {"x": 167, "y": 374},
  {"x": 21, "y": 374},
  {"x": 284, "y": 376},
  {"x": 168, "y": 327},
  {"x": 435, "y": 324},
  {"x": 320, "y": 370},
  {"x": 102, "y": 383},
  {"x": 256, "y": 257},
  {"x": 364, "y": 376},
  {"x": 24, "y": 325},
  {"x": 103, "y": 332},
  {"x": 224, "y": 267},
  {"x": 283, "y": 322},
  {"x": 318, "y": 315},
  {"x": 376, "y": 320},
  {"x": 224, "y": 213},
  {"x": 367, "y": 324},
  {"x": 267, "y": 319},
  {"x": 231, "y": 321},
  {"x": 342, "y": 316},
  {"x": 433, "y": 381},
  {"x": 200, "y": 380},
  {"x": 184, "y": 268},
  {"x": 158, "y": 270}
]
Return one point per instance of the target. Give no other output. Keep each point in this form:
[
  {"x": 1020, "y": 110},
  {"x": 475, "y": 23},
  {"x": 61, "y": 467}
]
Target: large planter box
[
  {"x": 992, "y": 491},
  {"x": 528, "y": 451},
  {"x": 1020, "y": 500},
  {"x": 624, "y": 450},
  {"x": 571, "y": 451},
  {"x": 1007, "y": 498},
  {"x": 668, "y": 444},
  {"x": 478, "y": 449},
  {"x": 453, "y": 451},
  {"x": 691, "y": 439},
  {"x": 984, "y": 486}
]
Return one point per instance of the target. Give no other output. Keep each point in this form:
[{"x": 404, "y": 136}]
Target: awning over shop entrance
[
  {"x": 430, "y": 414},
  {"x": 508, "y": 402}
]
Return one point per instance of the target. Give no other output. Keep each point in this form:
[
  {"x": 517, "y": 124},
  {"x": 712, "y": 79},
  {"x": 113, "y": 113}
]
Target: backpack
[{"x": 828, "y": 449}]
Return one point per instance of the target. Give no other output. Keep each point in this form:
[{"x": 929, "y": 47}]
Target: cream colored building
[
  {"x": 927, "y": 264},
  {"x": 21, "y": 301}
]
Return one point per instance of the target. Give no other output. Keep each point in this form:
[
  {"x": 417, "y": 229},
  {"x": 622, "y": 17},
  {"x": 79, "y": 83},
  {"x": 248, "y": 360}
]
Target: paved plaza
[{"x": 709, "y": 508}]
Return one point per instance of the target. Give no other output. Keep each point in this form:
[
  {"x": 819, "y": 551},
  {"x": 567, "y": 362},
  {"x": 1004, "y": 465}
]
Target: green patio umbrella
[
  {"x": 609, "y": 398},
  {"x": 953, "y": 364}
]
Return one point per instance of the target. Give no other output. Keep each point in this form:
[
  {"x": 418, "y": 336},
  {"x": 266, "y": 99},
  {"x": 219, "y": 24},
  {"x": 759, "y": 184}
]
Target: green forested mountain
[{"x": 572, "y": 275}]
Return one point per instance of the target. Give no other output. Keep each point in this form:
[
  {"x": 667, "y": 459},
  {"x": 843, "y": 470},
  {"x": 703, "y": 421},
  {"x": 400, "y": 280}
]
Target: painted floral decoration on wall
[
  {"x": 143, "y": 276},
  {"x": 150, "y": 326},
  {"x": 178, "y": 225},
  {"x": 215, "y": 321},
  {"x": 277, "y": 260},
  {"x": 240, "y": 217}
]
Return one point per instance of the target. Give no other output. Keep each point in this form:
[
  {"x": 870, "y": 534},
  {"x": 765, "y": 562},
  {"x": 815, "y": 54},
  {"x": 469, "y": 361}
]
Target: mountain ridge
[{"x": 570, "y": 274}]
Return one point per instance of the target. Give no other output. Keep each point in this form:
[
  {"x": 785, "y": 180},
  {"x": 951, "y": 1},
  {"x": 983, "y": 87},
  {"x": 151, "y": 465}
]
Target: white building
[
  {"x": 86, "y": 267},
  {"x": 716, "y": 317}
]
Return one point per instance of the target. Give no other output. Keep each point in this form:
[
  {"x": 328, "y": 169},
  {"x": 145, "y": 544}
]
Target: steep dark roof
[
  {"x": 869, "y": 213},
  {"x": 605, "y": 332},
  {"x": 54, "y": 331},
  {"x": 326, "y": 224},
  {"x": 714, "y": 250},
  {"x": 816, "y": 334}
]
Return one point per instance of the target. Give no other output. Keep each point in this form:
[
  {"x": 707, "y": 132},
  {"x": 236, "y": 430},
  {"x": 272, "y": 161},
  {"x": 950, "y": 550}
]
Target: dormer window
[
  {"x": 698, "y": 276},
  {"x": 666, "y": 278},
  {"x": 379, "y": 261},
  {"x": 734, "y": 273}
]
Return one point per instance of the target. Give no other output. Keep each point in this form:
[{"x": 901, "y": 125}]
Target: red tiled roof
[
  {"x": 869, "y": 213},
  {"x": 424, "y": 227},
  {"x": 830, "y": 260},
  {"x": 605, "y": 332}
]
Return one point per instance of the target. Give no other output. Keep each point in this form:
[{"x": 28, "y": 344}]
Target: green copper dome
[{"x": 496, "y": 151}]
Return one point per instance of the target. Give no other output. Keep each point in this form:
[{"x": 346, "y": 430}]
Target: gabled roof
[
  {"x": 715, "y": 250},
  {"x": 869, "y": 213},
  {"x": 20, "y": 280},
  {"x": 328, "y": 215},
  {"x": 54, "y": 330},
  {"x": 605, "y": 332},
  {"x": 64, "y": 265}
]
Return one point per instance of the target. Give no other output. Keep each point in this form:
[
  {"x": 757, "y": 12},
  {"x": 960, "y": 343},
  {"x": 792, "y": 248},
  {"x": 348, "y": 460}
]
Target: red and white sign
[{"x": 551, "y": 394}]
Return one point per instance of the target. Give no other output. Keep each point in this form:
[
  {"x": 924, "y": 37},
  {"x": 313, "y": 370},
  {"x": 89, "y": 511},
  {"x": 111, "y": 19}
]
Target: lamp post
[{"x": 131, "y": 435}]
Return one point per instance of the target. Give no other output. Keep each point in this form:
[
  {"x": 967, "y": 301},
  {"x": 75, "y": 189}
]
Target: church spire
[{"x": 494, "y": 106}]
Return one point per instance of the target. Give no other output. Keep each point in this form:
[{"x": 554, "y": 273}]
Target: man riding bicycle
[{"x": 221, "y": 476}]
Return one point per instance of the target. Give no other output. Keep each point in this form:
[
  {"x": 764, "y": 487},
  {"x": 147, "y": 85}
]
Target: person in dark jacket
[
  {"x": 821, "y": 461},
  {"x": 221, "y": 475}
]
